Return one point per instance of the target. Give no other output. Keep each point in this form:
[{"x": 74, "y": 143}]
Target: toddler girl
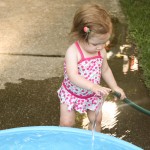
[{"x": 85, "y": 64}]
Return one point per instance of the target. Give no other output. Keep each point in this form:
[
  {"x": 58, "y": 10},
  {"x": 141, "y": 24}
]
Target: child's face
[{"x": 97, "y": 42}]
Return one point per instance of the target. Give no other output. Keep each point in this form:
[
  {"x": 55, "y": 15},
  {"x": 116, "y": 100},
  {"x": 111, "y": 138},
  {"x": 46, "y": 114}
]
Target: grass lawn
[{"x": 137, "y": 13}]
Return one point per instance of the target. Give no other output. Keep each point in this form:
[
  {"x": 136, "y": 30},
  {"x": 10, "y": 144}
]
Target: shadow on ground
[{"x": 29, "y": 103}]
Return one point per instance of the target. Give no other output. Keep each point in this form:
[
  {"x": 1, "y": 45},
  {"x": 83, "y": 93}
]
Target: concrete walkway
[{"x": 32, "y": 31}]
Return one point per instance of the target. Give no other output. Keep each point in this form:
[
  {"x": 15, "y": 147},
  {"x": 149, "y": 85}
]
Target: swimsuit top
[{"x": 90, "y": 69}]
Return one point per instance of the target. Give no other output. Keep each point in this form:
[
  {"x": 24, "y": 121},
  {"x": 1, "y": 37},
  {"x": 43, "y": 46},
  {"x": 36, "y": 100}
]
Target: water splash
[{"x": 99, "y": 108}]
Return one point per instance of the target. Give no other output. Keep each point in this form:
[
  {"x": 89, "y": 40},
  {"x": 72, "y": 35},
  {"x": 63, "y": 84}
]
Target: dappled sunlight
[
  {"x": 125, "y": 135},
  {"x": 110, "y": 113},
  {"x": 109, "y": 118},
  {"x": 126, "y": 53},
  {"x": 123, "y": 47},
  {"x": 85, "y": 122},
  {"x": 125, "y": 67},
  {"x": 110, "y": 54},
  {"x": 130, "y": 61},
  {"x": 122, "y": 137}
]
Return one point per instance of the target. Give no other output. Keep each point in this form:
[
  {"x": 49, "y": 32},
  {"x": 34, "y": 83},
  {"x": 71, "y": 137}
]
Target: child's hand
[
  {"x": 99, "y": 90},
  {"x": 119, "y": 90}
]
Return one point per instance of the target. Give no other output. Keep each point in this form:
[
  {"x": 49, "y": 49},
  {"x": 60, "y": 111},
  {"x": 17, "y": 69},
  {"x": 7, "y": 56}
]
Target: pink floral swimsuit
[{"x": 78, "y": 98}]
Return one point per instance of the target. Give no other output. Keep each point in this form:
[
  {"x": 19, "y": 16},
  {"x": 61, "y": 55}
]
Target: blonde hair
[{"x": 93, "y": 16}]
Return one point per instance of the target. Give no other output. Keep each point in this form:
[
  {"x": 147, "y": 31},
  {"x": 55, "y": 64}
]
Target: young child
[{"x": 85, "y": 64}]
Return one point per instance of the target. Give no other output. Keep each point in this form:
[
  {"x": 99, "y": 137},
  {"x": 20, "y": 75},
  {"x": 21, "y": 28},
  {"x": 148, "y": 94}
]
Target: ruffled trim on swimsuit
[{"x": 79, "y": 104}]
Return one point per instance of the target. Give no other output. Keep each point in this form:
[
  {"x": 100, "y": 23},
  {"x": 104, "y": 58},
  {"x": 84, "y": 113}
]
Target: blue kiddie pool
[{"x": 59, "y": 138}]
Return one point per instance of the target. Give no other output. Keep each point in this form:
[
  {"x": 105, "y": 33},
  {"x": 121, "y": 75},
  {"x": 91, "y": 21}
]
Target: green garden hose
[{"x": 129, "y": 102}]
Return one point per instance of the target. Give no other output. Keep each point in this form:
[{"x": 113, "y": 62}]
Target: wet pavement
[
  {"x": 127, "y": 123},
  {"x": 33, "y": 41}
]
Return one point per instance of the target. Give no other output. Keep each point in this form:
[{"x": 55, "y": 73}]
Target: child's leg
[
  {"x": 67, "y": 118},
  {"x": 91, "y": 116}
]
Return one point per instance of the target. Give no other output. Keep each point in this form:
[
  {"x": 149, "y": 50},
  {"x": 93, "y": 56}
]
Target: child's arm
[
  {"x": 108, "y": 76},
  {"x": 72, "y": 72}
]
